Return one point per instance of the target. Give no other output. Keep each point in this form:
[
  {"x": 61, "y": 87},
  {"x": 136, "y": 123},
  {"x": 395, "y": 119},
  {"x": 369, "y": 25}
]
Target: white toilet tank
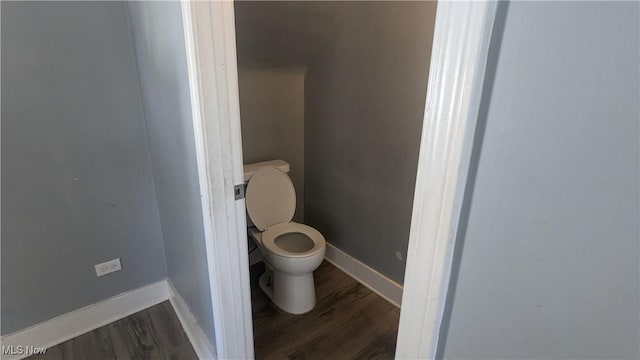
[{"x": 249, "y": 169}]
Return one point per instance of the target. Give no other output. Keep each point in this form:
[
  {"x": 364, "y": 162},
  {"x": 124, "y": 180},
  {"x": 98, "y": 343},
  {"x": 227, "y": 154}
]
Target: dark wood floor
[
  {"x": 154, "y": 333},
  {"x": 348, "y": 322}
]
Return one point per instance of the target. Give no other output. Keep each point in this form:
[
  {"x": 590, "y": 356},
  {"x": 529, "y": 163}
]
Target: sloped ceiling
[{"x": 282, "y": 33}]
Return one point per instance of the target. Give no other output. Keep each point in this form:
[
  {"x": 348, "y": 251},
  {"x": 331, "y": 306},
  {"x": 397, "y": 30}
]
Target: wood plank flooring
[
  {"x": 154, "y": 333},
  {"x": 348, "y": 322}
]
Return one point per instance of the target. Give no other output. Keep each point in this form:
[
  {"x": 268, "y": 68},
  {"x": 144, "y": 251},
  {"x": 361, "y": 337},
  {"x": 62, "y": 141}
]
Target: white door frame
[
  {"x": 458, "y": 60},
  {"x": 210, "y": 43},
  {"x": 460, "y": 48}
]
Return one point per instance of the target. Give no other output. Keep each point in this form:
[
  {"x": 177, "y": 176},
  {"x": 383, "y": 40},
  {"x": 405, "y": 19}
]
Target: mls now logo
[
  {"x": 23, "y": 350},
  {"x": 13, "y": 350}
]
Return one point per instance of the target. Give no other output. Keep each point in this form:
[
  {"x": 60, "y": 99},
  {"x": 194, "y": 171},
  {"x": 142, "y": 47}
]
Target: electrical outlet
[
  {"x": 399, "y": 255},
  {"x": 108, "y": 267}
]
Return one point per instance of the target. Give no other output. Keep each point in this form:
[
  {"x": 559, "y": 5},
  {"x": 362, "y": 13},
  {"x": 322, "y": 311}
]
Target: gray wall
[
  {"x": 76, "y": 181},
  {"x": 282, "y": 34},
  {"x": 272, "y": 111},
  {"x": 160, "y": 51},
  {"x": 549, "y": 262},
  {"x": 364, "y": 102}
]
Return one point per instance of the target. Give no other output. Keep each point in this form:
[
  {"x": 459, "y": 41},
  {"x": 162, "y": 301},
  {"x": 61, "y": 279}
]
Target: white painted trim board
[
  {"x": 460, "y": 49},
  {"x": 75, "y": 323},
  {"x": 367, "y": 276},
  {"x": 199, "y": 340},
  {"x": 209, "y": 29}
]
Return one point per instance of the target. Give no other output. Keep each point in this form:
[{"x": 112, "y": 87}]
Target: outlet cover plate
[
  {"x": 108, "y": 267},
  {"x": 398, "y": 255}
]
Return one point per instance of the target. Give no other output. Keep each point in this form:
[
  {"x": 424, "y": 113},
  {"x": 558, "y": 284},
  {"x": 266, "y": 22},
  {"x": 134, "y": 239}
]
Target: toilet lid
[{"x": 270, "y": 197}]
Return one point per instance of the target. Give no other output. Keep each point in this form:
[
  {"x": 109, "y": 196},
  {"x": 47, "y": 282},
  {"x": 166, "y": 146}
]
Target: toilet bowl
[{"x": 291, "y": 251}]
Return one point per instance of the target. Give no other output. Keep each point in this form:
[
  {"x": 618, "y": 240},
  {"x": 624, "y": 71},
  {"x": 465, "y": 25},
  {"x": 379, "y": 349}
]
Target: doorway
[
  {"x": 445, "y": 132},
  {"x": 337, "y": 90}
]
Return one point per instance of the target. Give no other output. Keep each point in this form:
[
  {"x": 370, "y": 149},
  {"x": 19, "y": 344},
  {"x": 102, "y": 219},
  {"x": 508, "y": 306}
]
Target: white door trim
[
  {"x": 460, "y": 49},
  {"x": 459, "y": 55},
  {"x": 213, "y": 80}
]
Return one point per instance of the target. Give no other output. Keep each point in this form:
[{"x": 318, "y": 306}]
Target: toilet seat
[
  {"x": 271, "y": 203},
  {"x": 270, "y": 236}
]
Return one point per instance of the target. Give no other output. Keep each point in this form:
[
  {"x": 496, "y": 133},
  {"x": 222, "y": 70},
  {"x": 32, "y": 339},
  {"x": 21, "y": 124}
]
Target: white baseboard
[
  {"x": 196, "y": 335},
  {"x": 378, "y": 283},
  {"x": 65, "y": 327}
]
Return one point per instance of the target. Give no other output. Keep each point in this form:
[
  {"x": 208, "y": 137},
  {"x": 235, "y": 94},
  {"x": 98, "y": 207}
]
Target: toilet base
[
  {"x": 266, "y": 282},
  {"x": 293, "y": 294}
]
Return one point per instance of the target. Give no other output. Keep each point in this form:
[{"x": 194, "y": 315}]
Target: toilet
[{"x": 291, "y": 251}]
